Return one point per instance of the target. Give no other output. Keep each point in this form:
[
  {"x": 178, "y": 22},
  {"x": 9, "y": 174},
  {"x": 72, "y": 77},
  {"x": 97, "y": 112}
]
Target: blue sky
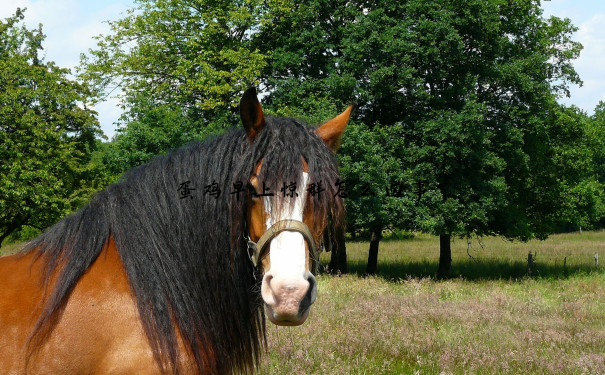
[
  {"x": 71, "y": 24},
  {"x": 589, "y": 17}
]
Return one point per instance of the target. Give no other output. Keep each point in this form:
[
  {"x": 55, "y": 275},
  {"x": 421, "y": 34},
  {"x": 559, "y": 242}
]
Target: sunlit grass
[
  {"x": 491, "y": 319},
  {"x": 491, "y": 257}
]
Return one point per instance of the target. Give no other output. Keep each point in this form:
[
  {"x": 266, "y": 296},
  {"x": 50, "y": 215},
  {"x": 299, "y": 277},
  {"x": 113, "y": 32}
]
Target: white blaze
[{"x": 287, "y": 252}]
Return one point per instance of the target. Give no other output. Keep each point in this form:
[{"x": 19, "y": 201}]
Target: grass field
[{"x": 490, "y": 319}]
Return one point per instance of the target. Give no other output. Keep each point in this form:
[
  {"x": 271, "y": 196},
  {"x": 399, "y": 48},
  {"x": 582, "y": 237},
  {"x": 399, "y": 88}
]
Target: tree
[
  {"x": 181, "y": 66},
  {"x": 47, "y": 134},
  {"x": 573, "y": 160},
  {"x": 471, "y": 83},
  {"x": 376, "y": 199},
  {"x": 457, "y": 176},
  {"x": 596, "y": 141},
  {"x": 190, "y": 55}
]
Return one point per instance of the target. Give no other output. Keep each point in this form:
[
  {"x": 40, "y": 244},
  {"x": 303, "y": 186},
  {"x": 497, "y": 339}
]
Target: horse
[{"x": 174, "y": 268}]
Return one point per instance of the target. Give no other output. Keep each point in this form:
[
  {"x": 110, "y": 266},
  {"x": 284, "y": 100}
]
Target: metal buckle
[
  {"x": 251, "y": 247},
  {"x": 251, "y": 250}
]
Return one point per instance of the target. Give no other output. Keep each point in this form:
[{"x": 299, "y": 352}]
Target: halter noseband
[{"x": 258, "y": 250}]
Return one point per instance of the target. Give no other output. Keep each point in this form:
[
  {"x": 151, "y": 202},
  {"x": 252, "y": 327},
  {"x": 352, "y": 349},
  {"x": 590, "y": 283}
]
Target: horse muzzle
[
  {"x": 288, "y": 301},
  {"x": 287, "y": 295}
]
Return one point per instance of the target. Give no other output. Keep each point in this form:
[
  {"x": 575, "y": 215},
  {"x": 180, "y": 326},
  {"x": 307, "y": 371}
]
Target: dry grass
[
  {"x": 492, "y": 324},
  {"x": 490, "y": 319},
  {"x": 10, "y": 249}
]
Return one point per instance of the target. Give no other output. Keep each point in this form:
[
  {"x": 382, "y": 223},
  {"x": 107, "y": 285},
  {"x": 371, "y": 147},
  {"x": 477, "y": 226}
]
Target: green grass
[
  {"x": 490, "y": 258},
  {"x": 490, "y": 319}
]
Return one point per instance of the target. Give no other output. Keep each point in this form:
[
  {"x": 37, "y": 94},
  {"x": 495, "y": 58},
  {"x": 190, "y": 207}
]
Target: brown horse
[{"x": 168, "y": 270}]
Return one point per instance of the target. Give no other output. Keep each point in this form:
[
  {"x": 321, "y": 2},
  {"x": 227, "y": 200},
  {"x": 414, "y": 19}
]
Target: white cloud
[
  {"x": 592, "y": 36},
  {"x": 8, "y": 7}
]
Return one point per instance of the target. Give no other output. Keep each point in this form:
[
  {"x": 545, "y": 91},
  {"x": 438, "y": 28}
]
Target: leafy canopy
[
  {"x": 191, "y": 54},
  {"x": 47, "y": 133},
  {"x": 471, "y": 86},
  {"x": 181, "y": 66}
]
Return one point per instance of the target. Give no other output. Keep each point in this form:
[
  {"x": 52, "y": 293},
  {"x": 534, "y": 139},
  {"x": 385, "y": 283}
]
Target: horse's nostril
[
  {"x": 311, "y": 294},
  {"x": 267, "y": 290}
]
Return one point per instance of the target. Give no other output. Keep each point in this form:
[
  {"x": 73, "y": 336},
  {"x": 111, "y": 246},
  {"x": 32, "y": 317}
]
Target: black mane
[{"x": 186, "y": 258}]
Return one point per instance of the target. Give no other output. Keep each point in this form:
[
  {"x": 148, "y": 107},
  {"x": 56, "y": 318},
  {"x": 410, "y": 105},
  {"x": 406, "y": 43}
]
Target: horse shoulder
[
  {"x": 20, "y": 305},
  {"x": 99, "y": 331}
]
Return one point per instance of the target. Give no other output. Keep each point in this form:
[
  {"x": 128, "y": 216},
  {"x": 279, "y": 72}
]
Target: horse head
[{"x": 284, "y": 229}]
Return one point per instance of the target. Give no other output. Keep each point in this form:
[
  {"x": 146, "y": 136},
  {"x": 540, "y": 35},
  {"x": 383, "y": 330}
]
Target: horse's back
[{"x": 98, "y": 332}]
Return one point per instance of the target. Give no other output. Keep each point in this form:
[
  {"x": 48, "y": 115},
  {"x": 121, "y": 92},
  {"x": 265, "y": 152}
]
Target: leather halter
[{"x": 257, "y": 251}]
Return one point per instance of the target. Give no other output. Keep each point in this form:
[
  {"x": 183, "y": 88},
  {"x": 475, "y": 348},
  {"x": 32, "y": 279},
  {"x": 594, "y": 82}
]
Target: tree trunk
[
  {"x": 338, "y": 258},
  {"x": 373, "y": 253},
  {"x": 445, "y": 256}
]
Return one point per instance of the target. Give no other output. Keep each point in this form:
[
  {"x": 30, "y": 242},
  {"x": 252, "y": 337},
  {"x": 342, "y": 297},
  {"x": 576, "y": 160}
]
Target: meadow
[{"x": 490, "y": 318}]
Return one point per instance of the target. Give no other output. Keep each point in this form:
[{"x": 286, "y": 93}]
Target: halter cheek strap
[{"x": 258, "y": 250}]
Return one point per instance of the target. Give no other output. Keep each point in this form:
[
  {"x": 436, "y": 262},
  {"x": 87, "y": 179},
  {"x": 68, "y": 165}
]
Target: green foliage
[
  {"x": 190, "y": 54},
  {"x": 310, "y": 109},
  {"x": 457, "y": 130},
  {"x": 469, "y": 87},
  {"x": 46, "y": 133},
  {"x": 371, "y": 175},
  {"x": 574, "y": 168},
  {"x": 154, "y": 130},
  {"x": 182, "y": 65},
  {"x": 456, "y": 172},
  {"x": 596, "y": 145},
  {"x": 304, "y": 47}
]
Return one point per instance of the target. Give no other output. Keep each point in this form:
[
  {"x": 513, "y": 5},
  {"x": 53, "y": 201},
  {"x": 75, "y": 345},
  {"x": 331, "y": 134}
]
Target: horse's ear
[
  {"x": 332, "y": 130},
  {"x": 251, "y": 113}
]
